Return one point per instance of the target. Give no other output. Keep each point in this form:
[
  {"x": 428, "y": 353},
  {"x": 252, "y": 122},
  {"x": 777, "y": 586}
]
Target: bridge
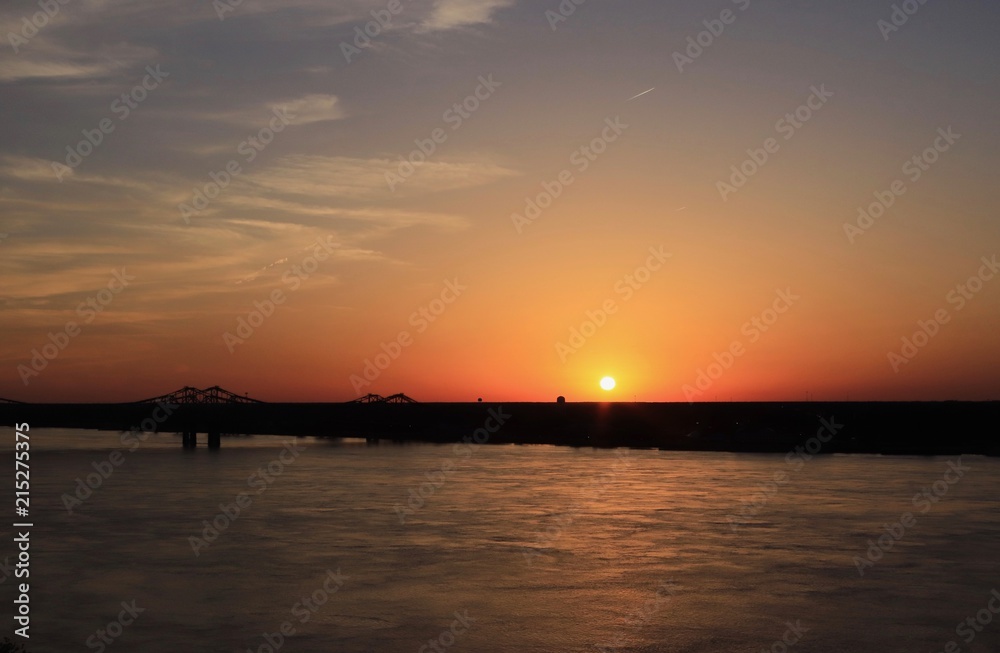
[
  {"x": 216, "y": 411},
  {"x": 398, "y": 398},
  {"x": 192, "y": 396},
  {"x": 911, "y": 428},
  {"x": 189, "y": 395}
]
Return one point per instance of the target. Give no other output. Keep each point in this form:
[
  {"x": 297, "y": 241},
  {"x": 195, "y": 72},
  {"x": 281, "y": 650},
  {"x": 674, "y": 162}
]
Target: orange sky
[{"x": 311, "y": 219}]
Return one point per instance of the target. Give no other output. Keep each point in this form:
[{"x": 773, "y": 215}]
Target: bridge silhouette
[
  {"x": 398, "y": 398},
  {"x": 913, "y": 428},
  {"x": 216, "y": 411},
  {"x": 189, "y": 395},
  {"x": 217, "y": 396},
  {"x": 192, "y": 395}
]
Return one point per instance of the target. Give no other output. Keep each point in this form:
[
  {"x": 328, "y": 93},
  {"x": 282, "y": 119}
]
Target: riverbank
[{"x": 898, "y": 428}]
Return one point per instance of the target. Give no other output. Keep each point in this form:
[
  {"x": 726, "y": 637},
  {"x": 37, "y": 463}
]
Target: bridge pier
[{"x": 190, "y": 439}]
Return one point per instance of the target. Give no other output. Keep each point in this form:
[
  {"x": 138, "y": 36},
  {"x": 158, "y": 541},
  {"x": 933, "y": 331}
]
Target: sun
[{"x": 608, "y": 383}]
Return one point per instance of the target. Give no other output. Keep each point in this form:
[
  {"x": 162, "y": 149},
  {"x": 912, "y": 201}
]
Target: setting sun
[{"x": 608, "y": 383}]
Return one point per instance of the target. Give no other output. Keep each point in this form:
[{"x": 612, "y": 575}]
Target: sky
[{"x": 708, "y": 201}]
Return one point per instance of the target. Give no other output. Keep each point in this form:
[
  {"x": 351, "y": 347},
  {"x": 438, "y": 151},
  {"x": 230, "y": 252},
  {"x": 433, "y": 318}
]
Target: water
[{"x": 543, "y": 548}]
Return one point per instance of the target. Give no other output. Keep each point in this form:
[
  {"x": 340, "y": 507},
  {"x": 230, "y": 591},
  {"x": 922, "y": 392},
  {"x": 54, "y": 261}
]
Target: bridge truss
[
  {"x": 398, "y": 398},
  {"x": 191, "y": 395}
]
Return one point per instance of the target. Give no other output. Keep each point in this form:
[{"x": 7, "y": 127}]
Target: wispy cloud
[
  {"x": 346, "y": 177},
  {"x": 311, "y": 108},
  {"x": 449, "y": 14},
  {"x": 47, "y": 58}
]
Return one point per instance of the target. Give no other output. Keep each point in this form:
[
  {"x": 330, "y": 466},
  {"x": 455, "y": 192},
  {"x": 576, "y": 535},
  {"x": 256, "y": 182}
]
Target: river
[{"x": 308, "y": 545}]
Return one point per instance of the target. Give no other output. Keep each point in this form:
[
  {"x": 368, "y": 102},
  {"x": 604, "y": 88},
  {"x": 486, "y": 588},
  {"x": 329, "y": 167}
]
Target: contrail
[{"x": 641, "y": 94}]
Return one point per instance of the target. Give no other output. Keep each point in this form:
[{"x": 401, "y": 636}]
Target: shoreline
[{"x": 889, "y": 428}]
